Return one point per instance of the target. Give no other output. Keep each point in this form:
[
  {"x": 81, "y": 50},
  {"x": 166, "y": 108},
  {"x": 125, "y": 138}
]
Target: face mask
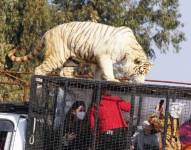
[{"x": 81, "y": 115}]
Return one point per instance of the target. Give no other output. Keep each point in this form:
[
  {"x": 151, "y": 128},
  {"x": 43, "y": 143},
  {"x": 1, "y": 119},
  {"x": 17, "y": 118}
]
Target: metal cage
[{"x": 51, "y": 100}]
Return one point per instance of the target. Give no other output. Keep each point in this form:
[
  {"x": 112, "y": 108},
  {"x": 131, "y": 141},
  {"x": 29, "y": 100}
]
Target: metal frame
[{"x": 141, "y": 90}]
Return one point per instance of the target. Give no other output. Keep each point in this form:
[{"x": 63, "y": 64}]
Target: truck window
[{"x": 6, "y": 130}]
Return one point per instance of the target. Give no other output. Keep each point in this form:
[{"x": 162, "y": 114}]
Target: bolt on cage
[{"x": 51, "y": 99}]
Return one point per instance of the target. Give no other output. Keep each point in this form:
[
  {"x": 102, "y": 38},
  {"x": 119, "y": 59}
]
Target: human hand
[
  {"x": 132, "y": 147},
  {"x": 71, "y": 136}
]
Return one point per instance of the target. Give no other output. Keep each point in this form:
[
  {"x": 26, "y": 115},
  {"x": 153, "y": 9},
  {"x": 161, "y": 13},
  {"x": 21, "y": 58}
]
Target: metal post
[
  {"x": 63, "y": 116},
  {"x": 174, "y": 99},
  {"x": 45, "y": 112},
  {"x": 139, "y": 110},
  {"x": 130, "y": 125},
  {"x": 97, "y": 97},
  {"x": 55, "y": 104},
  {"x": 165, "y": 122},
  {"x": 31, "y": 115}
]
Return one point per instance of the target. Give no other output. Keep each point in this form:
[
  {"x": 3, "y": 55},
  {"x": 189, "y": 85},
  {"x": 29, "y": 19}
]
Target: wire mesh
[{"x": 79, "y": 114}]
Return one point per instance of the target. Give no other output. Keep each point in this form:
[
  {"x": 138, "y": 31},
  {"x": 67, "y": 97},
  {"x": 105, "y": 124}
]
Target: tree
[
  {"x": 8, "y": 24},
  {"x": 154, "y": 22},
  {"x": 35, "y": 21},
  {"x": 24, "y": 23}
]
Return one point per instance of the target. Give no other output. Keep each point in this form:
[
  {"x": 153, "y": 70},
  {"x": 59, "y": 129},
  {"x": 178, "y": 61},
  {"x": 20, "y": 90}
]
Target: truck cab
[{"x": 13, "y": 124}]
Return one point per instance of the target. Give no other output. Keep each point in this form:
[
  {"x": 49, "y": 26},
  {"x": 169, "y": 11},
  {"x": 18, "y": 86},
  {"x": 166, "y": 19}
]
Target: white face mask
[{"x": 81, "y": 115}]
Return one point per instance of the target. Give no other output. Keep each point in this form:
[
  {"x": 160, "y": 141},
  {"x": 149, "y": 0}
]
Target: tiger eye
[{"x": 137, "y": 61}]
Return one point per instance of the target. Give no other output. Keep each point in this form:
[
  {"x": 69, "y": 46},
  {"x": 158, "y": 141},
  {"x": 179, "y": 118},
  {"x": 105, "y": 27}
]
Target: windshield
[{"x": 6, "y": 130}]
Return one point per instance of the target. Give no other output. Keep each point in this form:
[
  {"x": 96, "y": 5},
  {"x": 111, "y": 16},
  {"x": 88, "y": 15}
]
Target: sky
[{"x": 175, "y": 66}]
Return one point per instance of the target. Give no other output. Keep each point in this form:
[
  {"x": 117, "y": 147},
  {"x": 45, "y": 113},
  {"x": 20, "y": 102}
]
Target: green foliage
[
  {"x": 154, "y": 22},
  {"x": 22, "y": 23},
  {"x": 6, "y": 13},
  {"x": 10, "y": 93}
]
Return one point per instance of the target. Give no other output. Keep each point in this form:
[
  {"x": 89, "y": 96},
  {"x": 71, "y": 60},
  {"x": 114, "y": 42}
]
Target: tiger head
[{"x": 134, "y": 70}]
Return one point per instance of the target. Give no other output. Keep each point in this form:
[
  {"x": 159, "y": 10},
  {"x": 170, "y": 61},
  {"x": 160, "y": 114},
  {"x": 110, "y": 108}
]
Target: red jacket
[{"x": 109, "y": 115}]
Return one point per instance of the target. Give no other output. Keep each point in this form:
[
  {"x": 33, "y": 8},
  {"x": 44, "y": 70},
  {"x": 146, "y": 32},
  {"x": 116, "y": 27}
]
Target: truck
[{"x": 13, "y": 125}]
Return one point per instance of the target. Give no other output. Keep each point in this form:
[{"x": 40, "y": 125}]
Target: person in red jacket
[{"x": 112, "y": 127}]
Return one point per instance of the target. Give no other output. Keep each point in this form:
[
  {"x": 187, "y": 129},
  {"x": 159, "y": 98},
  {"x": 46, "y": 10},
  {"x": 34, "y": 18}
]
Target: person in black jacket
[{"x": 76, "y": 129}]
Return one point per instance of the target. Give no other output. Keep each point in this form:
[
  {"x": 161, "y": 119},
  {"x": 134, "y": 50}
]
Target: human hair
[
  {"x": 70, "y": 117},
  {"x": 77, "y": 104},
  {"x": 74, "y": 106},
  {"x": 161, "y": 103}
]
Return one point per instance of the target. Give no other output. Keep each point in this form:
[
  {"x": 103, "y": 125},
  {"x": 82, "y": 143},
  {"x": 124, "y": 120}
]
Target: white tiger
[{"x": 111, "y": 49}]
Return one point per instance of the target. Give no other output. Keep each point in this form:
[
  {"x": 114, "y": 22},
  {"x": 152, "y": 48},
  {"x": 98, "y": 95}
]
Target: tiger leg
[
  {"x": 47, "y": 66},
  {"x": 106, "y": 66},
  {"x": 69, "y": 68},
  {"x": 96, "y": 72},
  {"x": 67, "y": 72}
]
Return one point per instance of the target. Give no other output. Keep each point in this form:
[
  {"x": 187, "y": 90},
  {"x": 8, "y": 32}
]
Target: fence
[{"x": 53, "y": 122}]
